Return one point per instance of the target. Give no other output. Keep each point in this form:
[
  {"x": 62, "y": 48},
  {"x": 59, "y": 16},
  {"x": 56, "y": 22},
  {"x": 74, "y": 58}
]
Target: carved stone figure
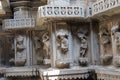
[
  {"x": 82, "y": 36},
  {"x": 83, "y": 43},
  {"x": 105, "y": 40},
  {"x": 20, "y": 51},
  {"x": 63, "y": 43},
  {"x": 38, "y": 49},
  {"x": 46, "y": 46},
  {"x": 116, "y": 35}
]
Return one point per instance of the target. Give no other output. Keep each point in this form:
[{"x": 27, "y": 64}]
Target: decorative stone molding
[
  {"x": 21, "y": 72},
  {"x": 104, "y": 5},
  {"x": 107, "y": 73},
  {"x": 19, "y": 23},
  {"x": 56, "y": 74},
  {"x": 61, "y": 11}
]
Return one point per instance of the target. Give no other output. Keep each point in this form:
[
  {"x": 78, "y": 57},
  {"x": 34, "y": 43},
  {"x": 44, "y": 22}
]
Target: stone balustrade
[
  {"x": 104, "y": 5},
  {"x": 19, "y": 23},
  {"x": 61, "y": 11}
]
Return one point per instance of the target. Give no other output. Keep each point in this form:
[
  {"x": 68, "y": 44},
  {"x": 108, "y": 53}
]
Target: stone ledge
[
  {"x": 20, "y": 71},
  {"x": 72, "y": 73},
  {"x": 107, "y": 73}
]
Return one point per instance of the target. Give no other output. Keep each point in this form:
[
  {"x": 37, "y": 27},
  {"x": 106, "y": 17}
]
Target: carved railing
[
  {"x": 61, "y": 11},
  {"x": 19, "y": 23},
  {"x": 104, "y": 5}
]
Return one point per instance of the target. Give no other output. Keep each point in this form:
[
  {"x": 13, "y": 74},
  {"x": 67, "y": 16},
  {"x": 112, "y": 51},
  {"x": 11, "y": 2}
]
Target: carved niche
[
  {"x": 82, "y": 36},
  {"x": 42, "y": 47},
  {"x": 38, "y": 49},
  {"x": 20, "y": 51},
  {"x": 81, "y": 40},
  {"x": 46, "y": 47},
  {"x": 62, "y": 46},
  {"x": 46, "y": 44},
  {"x": 116, "y": 45},
  {"x": 106, "y": 46}
]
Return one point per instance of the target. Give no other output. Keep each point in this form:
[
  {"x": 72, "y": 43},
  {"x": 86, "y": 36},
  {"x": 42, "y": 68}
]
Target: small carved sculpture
[
  {"x": 38, "y": 49},
  {"x": 116, "y": 34},
  {"x": 20, "y": 48},
  {"x": 19, "y": 44},
  {"x": 83, "y": 43},
  {"x": 46, "y": 42},
  {"x": 82, "y": 36},
  {"x": 63, "y": 43}
]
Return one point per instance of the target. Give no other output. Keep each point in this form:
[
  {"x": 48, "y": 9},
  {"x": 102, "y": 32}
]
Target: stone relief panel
[
  {"x": 82, "y": 36},
  {"x": 105, "y": 45},
  {"x": 46, "y": 44},
  {"x": 38, "y": 49},
  {"x": 42, "y": 47},
  {"x": 62, "y": 45},
  {"x": 116, "y": 44},
  {"x": 20, "y": 50},
  {"x": 81, "y": 43},
  {"x": 46, "y": 47}
]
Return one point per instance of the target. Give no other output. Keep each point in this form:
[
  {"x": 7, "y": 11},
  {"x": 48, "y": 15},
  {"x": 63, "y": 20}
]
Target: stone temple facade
[{"x": 59, "y": 39}]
